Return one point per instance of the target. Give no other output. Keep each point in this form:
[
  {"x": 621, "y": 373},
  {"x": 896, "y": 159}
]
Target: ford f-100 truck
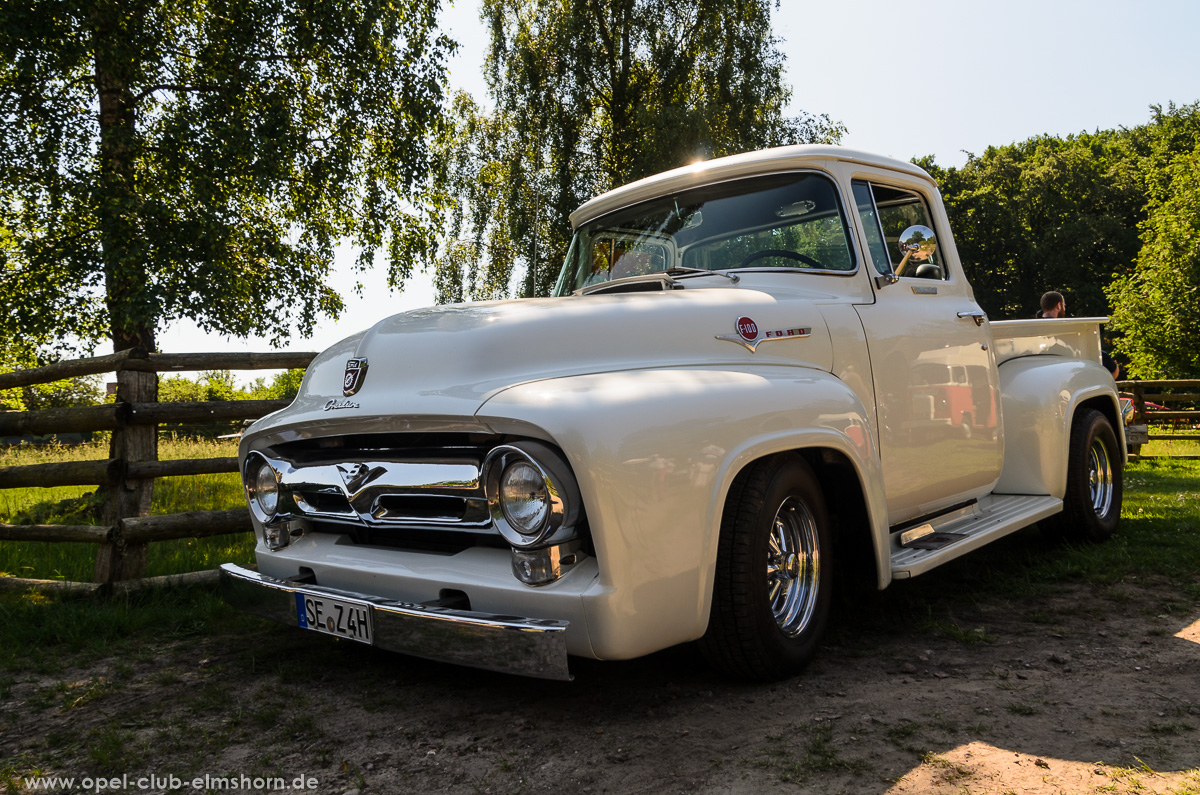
[{"x": 756, "y": 374}]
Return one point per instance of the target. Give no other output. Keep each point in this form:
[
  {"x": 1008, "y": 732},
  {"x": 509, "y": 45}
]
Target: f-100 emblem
[
  {"x": 356, "y": 373},
  {"x": 750, "y": 336}
]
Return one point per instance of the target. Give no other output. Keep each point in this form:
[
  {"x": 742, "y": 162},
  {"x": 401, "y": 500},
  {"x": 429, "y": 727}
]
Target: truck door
[{"x": 932, "y": 365}]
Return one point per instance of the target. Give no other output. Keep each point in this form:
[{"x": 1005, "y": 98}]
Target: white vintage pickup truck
[{"x": 756, "y": 374}]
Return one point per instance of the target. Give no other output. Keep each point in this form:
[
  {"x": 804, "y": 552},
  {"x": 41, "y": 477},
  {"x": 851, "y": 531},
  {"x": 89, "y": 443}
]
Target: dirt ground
[{"x": 1093, "y": 691}]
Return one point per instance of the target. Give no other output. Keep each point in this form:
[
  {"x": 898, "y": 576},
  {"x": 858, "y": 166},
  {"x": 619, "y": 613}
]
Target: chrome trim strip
[
  {"x": 510, "y": 644},
  {"x": 354, "y": 478}
]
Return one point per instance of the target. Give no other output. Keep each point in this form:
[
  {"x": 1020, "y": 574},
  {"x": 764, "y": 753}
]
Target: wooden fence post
[
  {"x": 133, "y": 463},
  {"x": 131, "y": 444}
]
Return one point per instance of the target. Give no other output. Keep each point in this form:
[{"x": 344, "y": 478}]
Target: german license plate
[{"x": 339, "y": 617}]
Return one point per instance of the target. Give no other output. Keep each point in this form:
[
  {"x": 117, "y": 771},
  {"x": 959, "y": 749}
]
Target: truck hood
[{"x": 447, "y": 361}]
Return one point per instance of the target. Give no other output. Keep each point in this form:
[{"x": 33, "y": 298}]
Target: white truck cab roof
[{"x": 747, "y": 164}]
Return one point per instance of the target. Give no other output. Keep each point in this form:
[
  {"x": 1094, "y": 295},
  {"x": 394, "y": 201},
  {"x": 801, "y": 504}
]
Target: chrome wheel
[
  {"x": 766, "y": 621},
  {"x": 793, "y": 566},
  {"x": 1100, "y": 477},
  {"x": 1092, "y": 498}
]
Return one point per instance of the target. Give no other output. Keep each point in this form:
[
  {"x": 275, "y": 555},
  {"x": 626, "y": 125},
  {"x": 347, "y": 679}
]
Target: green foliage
[
  {"x": 1065, "y": 213},
  {"x": 81, "y": 391},
  {"x": 200, "y": 158},
  {"x": 14, "y": 357},
  {"x": 1045, "y": 214},
  {"x": 220, "y": 385},
  {"x": 283, "y": 386},
  {"x": 209, "y": 385},
  {"x": 590, "y": 94},
  {"x": 179, "y": 389},
  {"x": 84, "y": 509},
  {"x": 1157, "y": 306}
]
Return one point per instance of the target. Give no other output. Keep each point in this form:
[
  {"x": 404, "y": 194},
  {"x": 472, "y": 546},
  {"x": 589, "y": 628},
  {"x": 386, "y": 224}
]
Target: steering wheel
[{"x": 780, "y": 252}]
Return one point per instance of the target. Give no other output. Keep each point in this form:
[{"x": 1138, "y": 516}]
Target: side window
[
  {"x": 870, "y": 224},
  {"x": 886, "y": 212}
]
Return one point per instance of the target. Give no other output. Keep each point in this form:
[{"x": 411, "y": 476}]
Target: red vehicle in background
[{"x": 948, "y": 398}]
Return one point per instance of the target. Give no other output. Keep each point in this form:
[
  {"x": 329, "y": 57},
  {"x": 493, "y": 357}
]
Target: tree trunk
[{"x": 132, "y": 313}]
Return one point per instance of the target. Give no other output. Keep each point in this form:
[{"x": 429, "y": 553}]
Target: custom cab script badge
[
  {"x": 749, "y": 336},
  {"x": 356, "y": 373}
]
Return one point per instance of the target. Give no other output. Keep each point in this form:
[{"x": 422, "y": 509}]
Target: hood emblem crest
[
  {"x": 750, "y": 336},
  {"x": 356, "y": 373}
]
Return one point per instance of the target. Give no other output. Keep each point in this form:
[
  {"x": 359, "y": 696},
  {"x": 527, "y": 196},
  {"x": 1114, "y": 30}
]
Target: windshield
[{"x": 791, "y": 220}]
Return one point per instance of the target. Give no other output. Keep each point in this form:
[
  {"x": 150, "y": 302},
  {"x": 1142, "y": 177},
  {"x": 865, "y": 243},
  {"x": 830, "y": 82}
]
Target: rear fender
[{"x": 1040, "y": 396}]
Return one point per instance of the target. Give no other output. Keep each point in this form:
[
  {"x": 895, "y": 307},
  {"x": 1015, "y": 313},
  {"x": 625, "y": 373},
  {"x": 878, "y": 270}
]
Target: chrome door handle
[{"x": 978, "y": 317}]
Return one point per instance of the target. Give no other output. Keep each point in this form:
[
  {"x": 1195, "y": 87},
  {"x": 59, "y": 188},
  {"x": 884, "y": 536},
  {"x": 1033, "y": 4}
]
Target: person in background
[{"x": 1055, "y": 306}]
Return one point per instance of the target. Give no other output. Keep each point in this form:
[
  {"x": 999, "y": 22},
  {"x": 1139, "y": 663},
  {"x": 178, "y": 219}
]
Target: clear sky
[{"x": 924, "y": 77}]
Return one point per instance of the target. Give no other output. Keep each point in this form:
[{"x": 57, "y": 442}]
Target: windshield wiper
[
  {"x": 680, "y": 270},
  {"x": 665, "y": 279}
]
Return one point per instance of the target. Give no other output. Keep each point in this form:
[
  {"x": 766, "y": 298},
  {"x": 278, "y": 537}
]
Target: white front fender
[{"x": 655, "y": 452}]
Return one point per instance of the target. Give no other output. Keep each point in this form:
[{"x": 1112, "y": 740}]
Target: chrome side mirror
[{"x": 917, "y": 244}]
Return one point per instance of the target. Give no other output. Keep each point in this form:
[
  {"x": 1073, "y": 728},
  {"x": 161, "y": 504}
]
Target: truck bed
[{"x": 1073, "y": 336}]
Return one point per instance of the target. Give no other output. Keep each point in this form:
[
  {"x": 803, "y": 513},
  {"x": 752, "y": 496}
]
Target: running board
[{"x": 947, "y": 537}]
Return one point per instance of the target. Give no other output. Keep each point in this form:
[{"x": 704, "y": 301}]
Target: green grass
[
  {"x": 76, "y": 562},
  {"x": 41, "y": 633},
  {"x": 1167, "y": 447}
]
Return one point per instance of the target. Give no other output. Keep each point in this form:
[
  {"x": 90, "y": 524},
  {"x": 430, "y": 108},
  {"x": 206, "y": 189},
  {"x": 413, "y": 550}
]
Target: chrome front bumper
[{"x": 510, "y": 644}]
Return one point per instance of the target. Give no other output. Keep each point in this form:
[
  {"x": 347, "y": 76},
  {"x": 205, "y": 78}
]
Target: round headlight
[
  {"x": 262, "y": 487},
  {"x": 531, "y": 494},
  {"x": 524, "y": 497},
  {"x": 266, "y": 490}
]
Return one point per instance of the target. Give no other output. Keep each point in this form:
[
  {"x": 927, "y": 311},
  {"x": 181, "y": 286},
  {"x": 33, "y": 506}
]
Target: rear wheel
[
  {"x": 773, "y": 586},
  {"x": 1092, "y": 503}
]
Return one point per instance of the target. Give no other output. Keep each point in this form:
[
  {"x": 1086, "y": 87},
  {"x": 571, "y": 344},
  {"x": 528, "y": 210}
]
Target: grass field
[
  {"x": 171, "y": 495},
  {"x": 1173, "y": 447}
]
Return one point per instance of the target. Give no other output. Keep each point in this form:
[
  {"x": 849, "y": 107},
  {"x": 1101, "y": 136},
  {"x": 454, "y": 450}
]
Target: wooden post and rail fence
[
  {"x": 126, "y": 531},
  {"x": 128, "y": 474},
  {"x": 1151, "y": 401}
]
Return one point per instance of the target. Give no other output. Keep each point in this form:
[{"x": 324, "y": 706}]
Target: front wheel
[
  {"x": 773, "y": 587},
  {"x": 1092, "y": 503}
]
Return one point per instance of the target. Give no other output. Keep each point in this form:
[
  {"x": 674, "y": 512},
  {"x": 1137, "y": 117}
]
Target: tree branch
[{"x": 177, "y": 88}]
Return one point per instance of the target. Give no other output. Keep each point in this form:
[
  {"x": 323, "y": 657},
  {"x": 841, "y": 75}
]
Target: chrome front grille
[{"x": 445, "y": 493}]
